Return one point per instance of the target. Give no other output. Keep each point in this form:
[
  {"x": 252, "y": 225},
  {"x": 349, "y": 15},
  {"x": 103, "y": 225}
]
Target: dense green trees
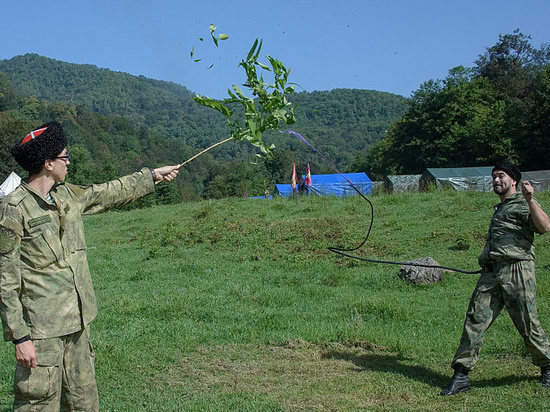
[
  {"x": 536, "y": 148},
  {"x": 117, "y": 123},
  {"x": 476, "y": 116},
  {"x": 343, "y": 120},
  {"x": 102, "y": 147}
]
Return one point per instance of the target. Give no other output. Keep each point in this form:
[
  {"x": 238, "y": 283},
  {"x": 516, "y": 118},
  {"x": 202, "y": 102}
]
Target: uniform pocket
[
  {"x": 40, "y": 382},
  {"x": 74, "y": 232},
  {"x": 40, "y": 248}
]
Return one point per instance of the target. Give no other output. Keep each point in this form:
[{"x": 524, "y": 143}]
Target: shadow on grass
[{"x": 397, "y": 364}]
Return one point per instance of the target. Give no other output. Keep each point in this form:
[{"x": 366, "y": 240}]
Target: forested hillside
[
  {"x": 116, "y": 122},
  {"x": 341, "y": 122}
]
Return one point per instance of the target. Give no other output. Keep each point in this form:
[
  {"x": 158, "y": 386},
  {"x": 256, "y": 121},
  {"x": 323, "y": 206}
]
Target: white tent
[{"x": 10, "y": 184}]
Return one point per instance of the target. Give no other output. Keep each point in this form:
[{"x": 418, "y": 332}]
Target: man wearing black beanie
[
  {"x": 47, "y": 300},
  {"x": 507, "y": 278}
]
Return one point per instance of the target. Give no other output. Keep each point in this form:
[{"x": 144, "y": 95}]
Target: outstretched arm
[{"x": 540, "y": 218}]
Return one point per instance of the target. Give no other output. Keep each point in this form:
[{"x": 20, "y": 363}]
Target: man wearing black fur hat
[
  {"x": 46, "y": 295},
  {"x": 507, "y": 278}
]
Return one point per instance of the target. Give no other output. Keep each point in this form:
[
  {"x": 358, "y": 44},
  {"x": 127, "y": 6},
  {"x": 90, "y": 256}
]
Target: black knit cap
[
  {"x": 508, "y": 168},
  {"x": 41, "y": 144}
]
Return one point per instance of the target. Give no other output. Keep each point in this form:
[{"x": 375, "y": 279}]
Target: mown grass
[{"x": 238, "y": 305}]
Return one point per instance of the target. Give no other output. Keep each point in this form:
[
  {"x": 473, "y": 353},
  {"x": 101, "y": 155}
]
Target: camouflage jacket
[
  {"x": 45, "y": 284},
  {"x": 511, "y": 232}
]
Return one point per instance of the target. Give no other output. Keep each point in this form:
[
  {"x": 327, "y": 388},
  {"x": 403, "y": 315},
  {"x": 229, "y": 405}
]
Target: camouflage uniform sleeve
[
  {"x": 530, "y": 220},
  {"x": 11, "y": 309},
  {"x": 101, "y": 197}
]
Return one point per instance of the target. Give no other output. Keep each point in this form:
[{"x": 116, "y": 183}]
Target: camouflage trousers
[
  {"x": 64, "y": 378},
  {"x": 509, "y": 284}
]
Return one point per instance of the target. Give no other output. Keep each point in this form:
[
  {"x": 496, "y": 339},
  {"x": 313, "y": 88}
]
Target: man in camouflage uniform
[
  {"x": 46, "y": 295},
  {"x": 507, "y": 278}
]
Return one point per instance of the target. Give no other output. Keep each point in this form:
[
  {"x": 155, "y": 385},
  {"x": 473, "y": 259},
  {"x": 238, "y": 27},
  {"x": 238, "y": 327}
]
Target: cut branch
[{"x": 204, "y": 151}]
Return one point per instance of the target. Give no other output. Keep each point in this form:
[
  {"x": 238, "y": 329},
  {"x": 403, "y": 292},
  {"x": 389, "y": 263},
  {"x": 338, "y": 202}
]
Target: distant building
[
  {"x": 283, "y": 190},
  {"x": 458, "y": 178},
  {"x": 540, "y": 179},
  {"x": 10, "y": 184},
  {"x": 402, "y": 183},
  {"x": 475, "y": 178},
  {"x": 340, "y": 185}
]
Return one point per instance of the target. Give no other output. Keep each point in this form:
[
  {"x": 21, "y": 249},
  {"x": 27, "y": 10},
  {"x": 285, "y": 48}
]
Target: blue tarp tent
[
  {"x": 283, "y": 190},
  {"x": 338, "y": 185}
]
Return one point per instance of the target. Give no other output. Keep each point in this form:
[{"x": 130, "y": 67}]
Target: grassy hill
[{"x": 237, "y": 305}]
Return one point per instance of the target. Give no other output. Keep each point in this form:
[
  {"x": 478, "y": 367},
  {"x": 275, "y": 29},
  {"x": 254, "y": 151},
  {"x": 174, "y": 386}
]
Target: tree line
[
  {"x": 497, "y": 109},
  {"x": 117, "y": 123}
]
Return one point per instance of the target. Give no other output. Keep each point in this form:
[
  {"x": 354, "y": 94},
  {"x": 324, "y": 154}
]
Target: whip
[{"x": 346, "y": 252}]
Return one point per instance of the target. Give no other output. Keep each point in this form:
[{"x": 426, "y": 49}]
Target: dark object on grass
[
  {"x": 422, "y": 274},
  {"x": 459, "y": 383}
]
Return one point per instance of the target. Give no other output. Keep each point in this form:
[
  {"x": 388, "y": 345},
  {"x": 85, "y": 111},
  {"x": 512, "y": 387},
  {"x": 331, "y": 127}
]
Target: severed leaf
[{"x": 215, "y": 39}]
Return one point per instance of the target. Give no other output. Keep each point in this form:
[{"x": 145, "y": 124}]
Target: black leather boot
[
  {"x": 545, "y": 376},
  {"x": 459, "y": 383}
]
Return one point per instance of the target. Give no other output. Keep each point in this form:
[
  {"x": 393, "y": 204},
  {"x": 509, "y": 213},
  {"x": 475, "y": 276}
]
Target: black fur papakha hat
[
  {"x": 508, "y": 168},
  {"x": 41, "y": 144}
]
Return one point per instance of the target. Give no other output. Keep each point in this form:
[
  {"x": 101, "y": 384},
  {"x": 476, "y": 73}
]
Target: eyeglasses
[{"x": 66, "y": 158}]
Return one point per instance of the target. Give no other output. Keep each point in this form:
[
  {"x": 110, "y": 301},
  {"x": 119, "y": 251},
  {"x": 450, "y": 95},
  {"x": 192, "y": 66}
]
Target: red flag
[
  {"x": 308, "y": 176},
  {"x": 294, "y": 178}
]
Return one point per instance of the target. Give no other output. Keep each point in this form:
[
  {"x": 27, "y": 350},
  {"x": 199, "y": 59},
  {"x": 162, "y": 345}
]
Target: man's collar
[
  {"x": 513, "y": 197},
  {"x": 35, "y": 192}
]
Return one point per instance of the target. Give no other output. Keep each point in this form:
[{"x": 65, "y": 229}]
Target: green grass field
[{"x": 237, "y": 305}]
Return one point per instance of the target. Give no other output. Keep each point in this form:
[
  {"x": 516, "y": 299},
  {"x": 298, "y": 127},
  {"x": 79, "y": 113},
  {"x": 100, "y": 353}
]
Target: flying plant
[
  {"x": 215, "y": 39},
  {"x": 212, "y": 29},
  {"x": 266, "y": 110}
]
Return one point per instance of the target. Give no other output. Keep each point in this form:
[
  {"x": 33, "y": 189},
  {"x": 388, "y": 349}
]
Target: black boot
[
  {"x": 459, "y": 383},
  {"x": 545, "y": 376}
]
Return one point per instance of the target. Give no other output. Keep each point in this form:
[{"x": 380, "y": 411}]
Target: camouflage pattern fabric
[
  {"x": 45, "y": 285},
  {"x": 511, "y": 232},
  {"x": 511, "y": 285},
  {"x": 507, "y": 280},
  {"x": 65, "y": 376}
]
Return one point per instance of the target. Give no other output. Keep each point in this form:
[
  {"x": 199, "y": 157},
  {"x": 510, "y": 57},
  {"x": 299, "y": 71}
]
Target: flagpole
[
  {"x": 294, "y": 178},
  {"x": 308, "y": 176}
]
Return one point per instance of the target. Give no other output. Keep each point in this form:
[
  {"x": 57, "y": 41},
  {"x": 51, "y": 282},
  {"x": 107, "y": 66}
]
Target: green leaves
[
  {"x": 192, "y": 54},
  {"x": 215, "y": 39},
  {"x": 212, "y": 29},
  {"x": 265, "y": 110}
]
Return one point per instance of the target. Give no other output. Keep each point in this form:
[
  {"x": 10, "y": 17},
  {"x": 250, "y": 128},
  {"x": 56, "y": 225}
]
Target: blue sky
[{"x": 386, "y": 45}]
